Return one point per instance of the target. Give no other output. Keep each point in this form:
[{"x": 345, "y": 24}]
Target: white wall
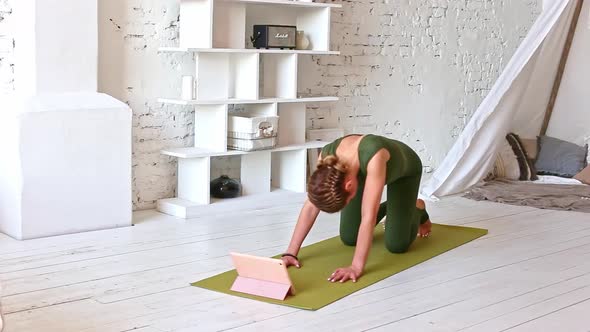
[
  {"x": 9, "y": 172},
  {"x": 53, "y": 57},
  {"x": 6, "y": 47},
  {"x": 70, "y": 49},
  {"x": 417, "y": 70},
  {"x": 131, "y": 70},
  {"x": 571, "y": 116}
]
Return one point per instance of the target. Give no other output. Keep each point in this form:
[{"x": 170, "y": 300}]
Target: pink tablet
[{"x": 261, "y": 276}]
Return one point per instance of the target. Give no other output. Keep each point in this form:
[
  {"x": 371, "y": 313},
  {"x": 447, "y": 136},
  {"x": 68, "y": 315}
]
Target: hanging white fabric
[
  {"x": 570, "y": 120},
  {"x": 516, "y": 102}
]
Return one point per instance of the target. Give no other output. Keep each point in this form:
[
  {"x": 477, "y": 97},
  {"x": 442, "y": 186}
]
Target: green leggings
[{"x": 403, "y": 217}]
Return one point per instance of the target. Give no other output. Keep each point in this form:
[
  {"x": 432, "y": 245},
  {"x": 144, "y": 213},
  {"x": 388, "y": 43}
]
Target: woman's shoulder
[
  {"x": 377, "y": 137},
  {"x": 373, "y": 142},
  {"x": 330, "y": 148}
]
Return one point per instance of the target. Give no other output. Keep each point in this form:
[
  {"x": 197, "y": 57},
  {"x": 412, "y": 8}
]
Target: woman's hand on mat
[
  {"x": 344, "y": 274},
  {"x": 290, "y": 261}
]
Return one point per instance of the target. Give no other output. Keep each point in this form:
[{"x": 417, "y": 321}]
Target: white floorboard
[{"x": 530, "y": 273}]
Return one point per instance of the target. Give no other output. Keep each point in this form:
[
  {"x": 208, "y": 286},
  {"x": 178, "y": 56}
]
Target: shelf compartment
[
  {"x": 227, "y": 75},
  {"x": 229, "y": 22},
  {"x": 244, "y": 125},
  {"x": 279, "y": 76},
  {"x": 234, "y": 101},
  {"x": 313, "y": 20},
  {"x": 288, "y": 170},
  {"x": 210, "y": 124},
  {"x": 291, "y": 124},
  {"x": 193, "y": 180},
  {"x": 196, "y": 24},
  {"x": 255, "y": 172}
]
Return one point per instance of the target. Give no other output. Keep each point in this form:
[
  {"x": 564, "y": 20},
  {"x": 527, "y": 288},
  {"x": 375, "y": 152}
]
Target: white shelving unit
[{"x": 264, "y": 81}]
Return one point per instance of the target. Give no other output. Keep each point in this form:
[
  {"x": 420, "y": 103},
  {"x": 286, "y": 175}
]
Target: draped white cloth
[{"x": 516, "y": 103}]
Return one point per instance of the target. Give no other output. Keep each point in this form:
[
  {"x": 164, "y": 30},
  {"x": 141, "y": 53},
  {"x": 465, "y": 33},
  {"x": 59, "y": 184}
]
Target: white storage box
[
  {"x": 251, "y": 144},
  {"x": 252, "y": 131},
  {"x": 252, "y": 126}
]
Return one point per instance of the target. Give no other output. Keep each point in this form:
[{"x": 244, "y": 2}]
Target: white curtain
[
  {"x": 517, "y": 102},
  {"x": 571, "y": 116}
]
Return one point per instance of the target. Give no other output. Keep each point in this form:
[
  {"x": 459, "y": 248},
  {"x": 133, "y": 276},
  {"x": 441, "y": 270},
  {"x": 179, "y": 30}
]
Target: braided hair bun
[
  {"x": 332, "y": 161},
  {"x": 325, "y": 189}
]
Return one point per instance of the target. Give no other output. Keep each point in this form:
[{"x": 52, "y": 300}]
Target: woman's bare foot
[{"x": 425, "y": 228}]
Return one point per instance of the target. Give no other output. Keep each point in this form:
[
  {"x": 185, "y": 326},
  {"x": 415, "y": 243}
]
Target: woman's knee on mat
[
  {"x": 397, "y": 247},
  {"x": 348, "y": 239}
]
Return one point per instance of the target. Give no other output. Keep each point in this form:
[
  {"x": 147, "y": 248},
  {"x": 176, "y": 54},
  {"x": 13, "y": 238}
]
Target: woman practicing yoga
[{"x": 351, "y": 174}]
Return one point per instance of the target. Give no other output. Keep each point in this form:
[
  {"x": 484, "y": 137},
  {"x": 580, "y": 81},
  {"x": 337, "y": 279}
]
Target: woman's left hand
[{"x": 344, "y": 274}]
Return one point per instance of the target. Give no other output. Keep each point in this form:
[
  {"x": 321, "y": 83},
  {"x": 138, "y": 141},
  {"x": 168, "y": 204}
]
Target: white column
[
  {"x": 56, "y": 46},
  {"x": 67, "y": 161}
]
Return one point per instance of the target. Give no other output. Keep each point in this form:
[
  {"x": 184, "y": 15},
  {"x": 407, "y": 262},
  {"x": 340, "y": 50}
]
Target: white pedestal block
[{"x": 66, "y": 165}]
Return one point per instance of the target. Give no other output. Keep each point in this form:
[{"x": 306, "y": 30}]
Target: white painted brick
[
  {"x": 6, "y": 48},
  {"x": 465, "y": 42},
  {"x": 5, "y": 6}
]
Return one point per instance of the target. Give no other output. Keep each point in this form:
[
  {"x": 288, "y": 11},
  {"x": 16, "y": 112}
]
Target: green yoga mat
[{"x": 319, "y": 260}]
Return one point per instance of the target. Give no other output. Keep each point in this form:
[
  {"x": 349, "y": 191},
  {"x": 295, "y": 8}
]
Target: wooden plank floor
[{"x": 530, "y": 273}]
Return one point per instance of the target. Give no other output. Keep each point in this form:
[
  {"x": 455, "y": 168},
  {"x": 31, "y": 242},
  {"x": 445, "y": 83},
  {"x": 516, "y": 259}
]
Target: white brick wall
[
  {"x": 416, "y": 70},
  {"x": 6, "y": 48},
  {"x": 413, "y": 70}
]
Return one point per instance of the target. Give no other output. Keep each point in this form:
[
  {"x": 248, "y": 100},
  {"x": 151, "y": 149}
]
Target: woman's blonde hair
[{"x": 325, "y": 189}]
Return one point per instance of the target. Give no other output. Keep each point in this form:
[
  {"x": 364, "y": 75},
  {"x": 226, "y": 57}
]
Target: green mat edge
[{"x": 482, "y": 232}]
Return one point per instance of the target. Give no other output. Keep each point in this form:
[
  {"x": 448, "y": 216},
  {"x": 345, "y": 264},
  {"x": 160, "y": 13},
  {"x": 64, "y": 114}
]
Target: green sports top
[{"x": 403, "y": 160}]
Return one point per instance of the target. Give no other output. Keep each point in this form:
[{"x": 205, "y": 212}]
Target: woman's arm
[
  {"x": 376, "y": 173},
  {"x": 307, "y": 218}
]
